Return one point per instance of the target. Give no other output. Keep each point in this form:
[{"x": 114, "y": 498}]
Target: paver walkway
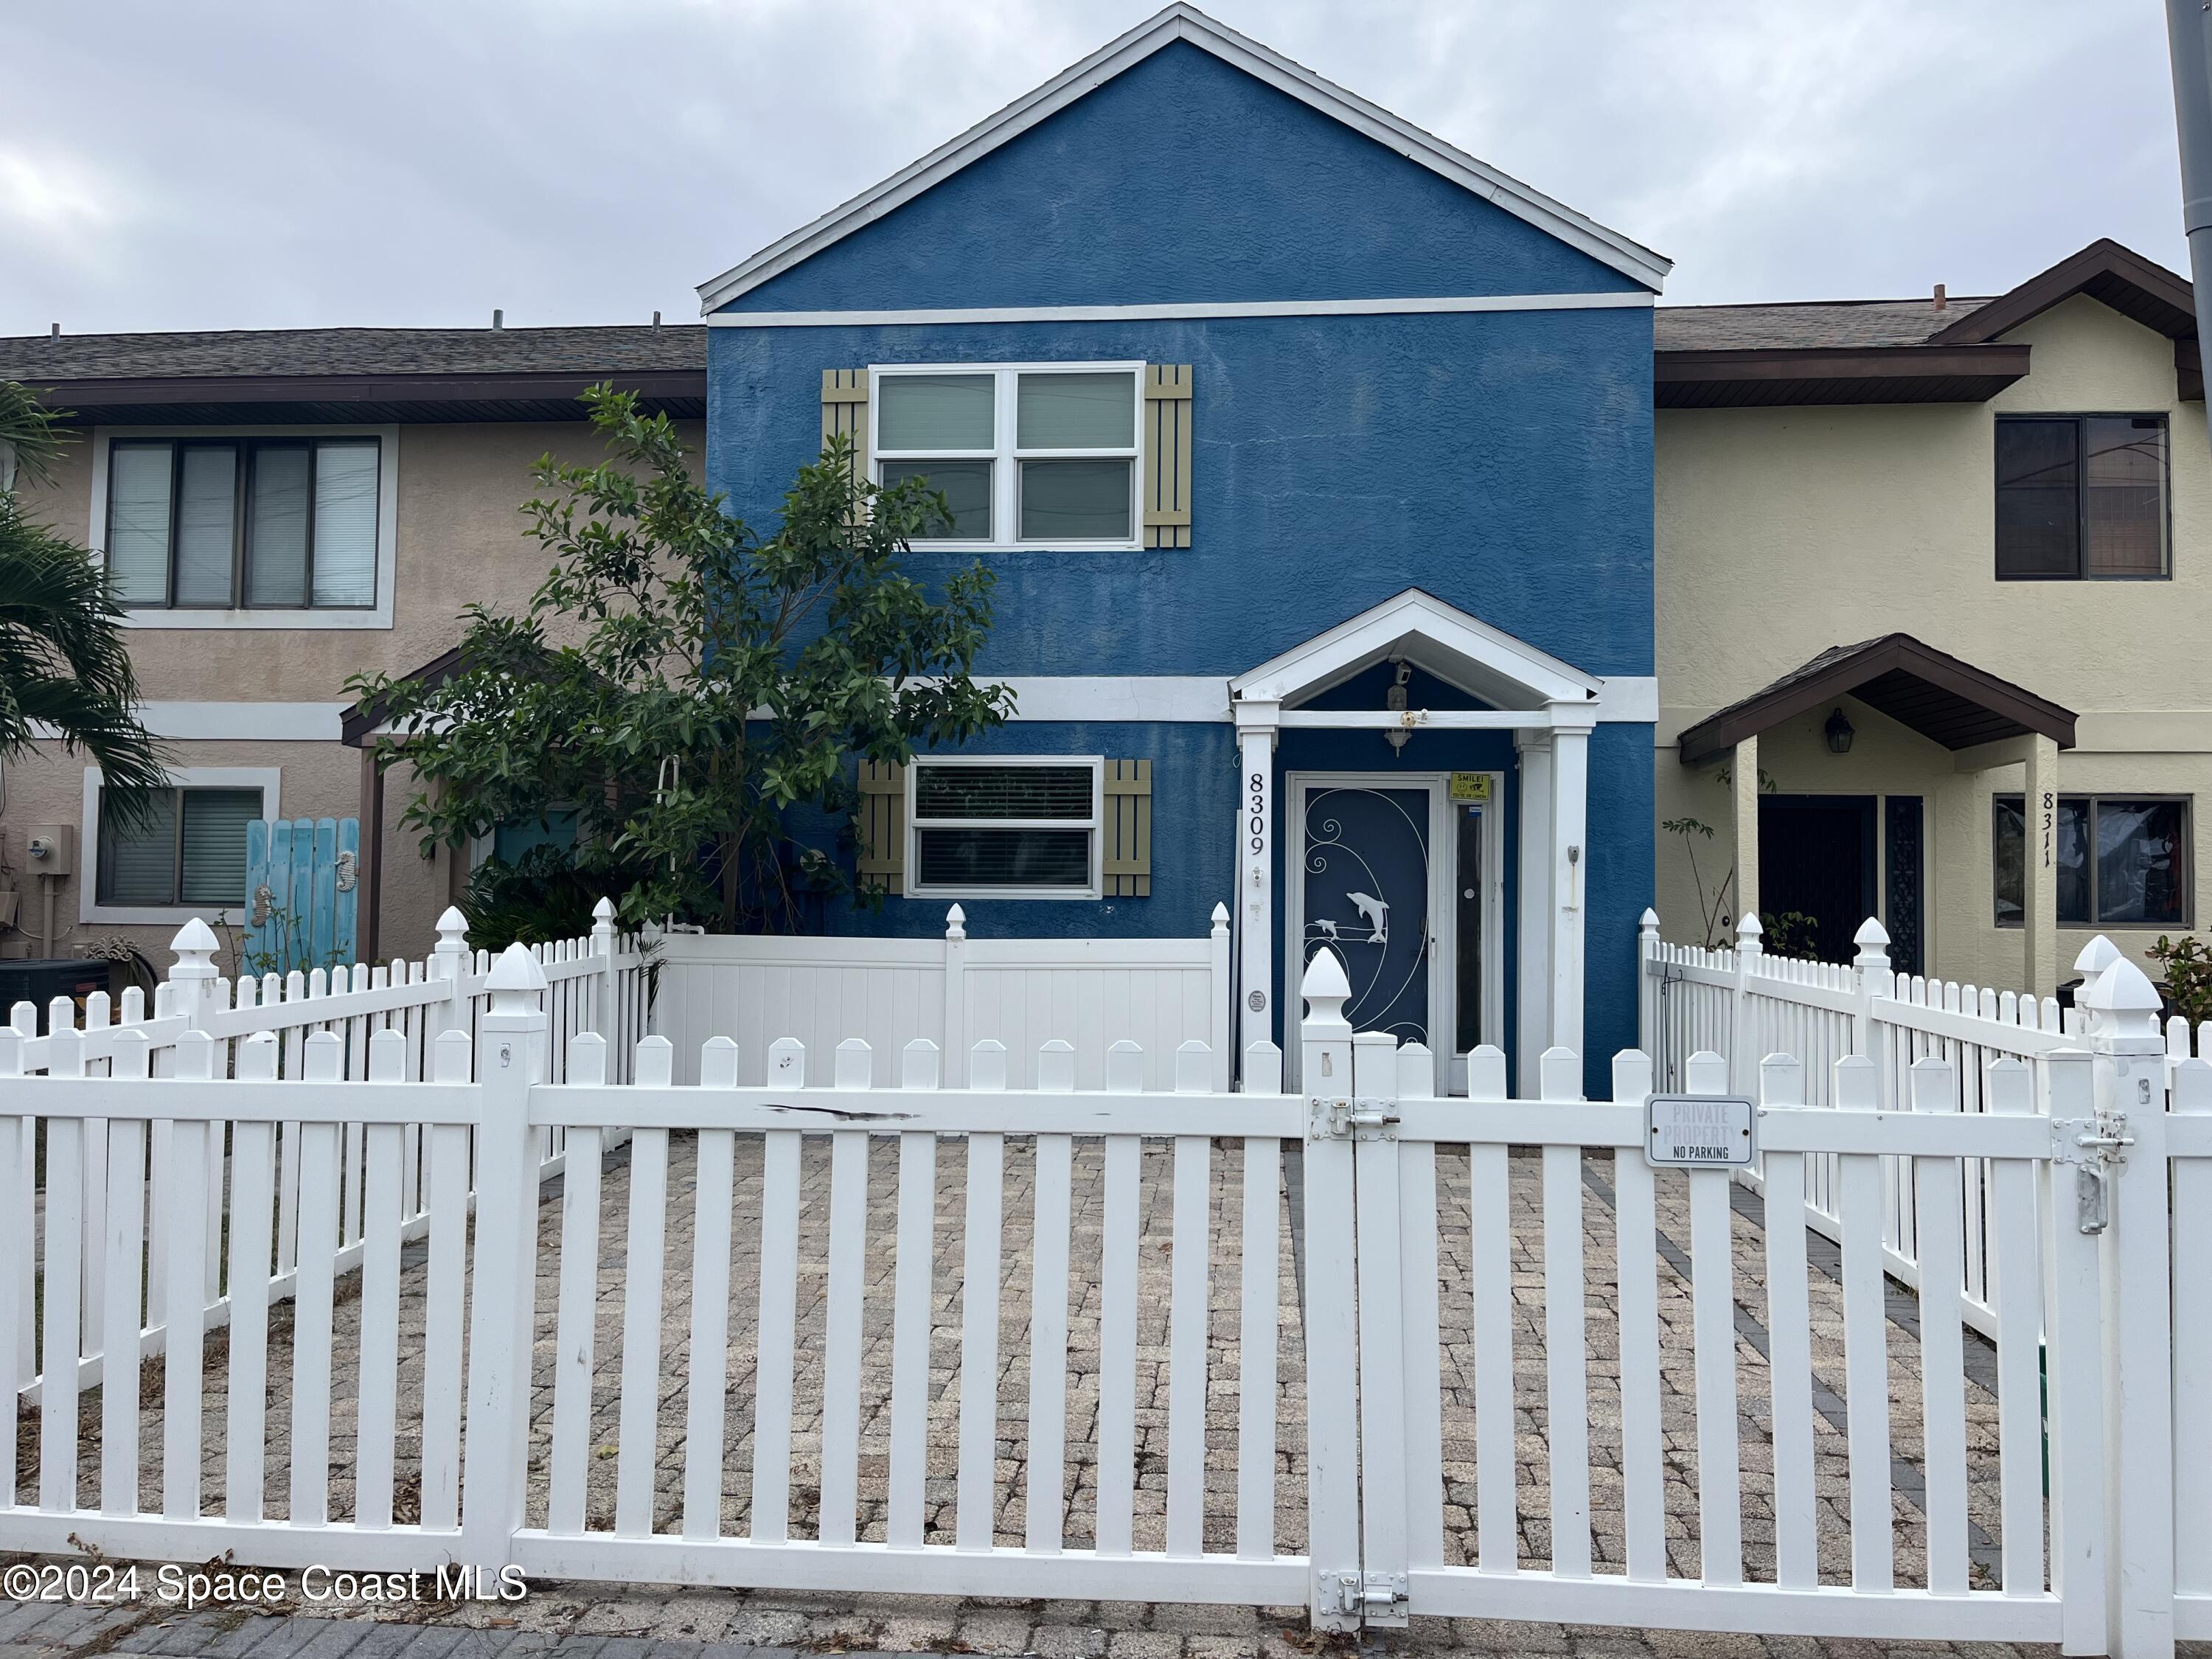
[{"x": 1455, "y": 1380}]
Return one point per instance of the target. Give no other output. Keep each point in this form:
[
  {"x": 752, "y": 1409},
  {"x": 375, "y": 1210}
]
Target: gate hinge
[
  {"x": 1366, "y": 1596},
  {"x": 1351, "y": 1120}
]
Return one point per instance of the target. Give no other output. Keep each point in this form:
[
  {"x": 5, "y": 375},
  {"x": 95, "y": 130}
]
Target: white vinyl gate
[{"x": 1377, "y": 1353}]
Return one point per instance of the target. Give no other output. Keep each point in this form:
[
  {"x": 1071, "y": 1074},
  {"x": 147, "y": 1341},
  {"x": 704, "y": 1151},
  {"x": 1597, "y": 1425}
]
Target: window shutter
[
  {"x": 1128, "y": 854},
  {"x": 1167, "y": 454},
  {"x": 883, "y": 819},
  {"x": 845, "y": 411}
]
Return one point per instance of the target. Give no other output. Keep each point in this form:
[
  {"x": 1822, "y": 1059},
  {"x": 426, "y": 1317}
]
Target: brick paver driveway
[{"x": 915, "y": 1622}]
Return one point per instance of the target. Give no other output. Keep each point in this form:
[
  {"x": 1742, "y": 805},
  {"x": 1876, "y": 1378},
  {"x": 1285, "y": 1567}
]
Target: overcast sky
[{"x": 268, "y": 163}]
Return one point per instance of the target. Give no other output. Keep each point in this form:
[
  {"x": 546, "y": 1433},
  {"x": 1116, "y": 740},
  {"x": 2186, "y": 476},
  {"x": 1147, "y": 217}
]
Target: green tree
[
  {"x": 64, "y": 657},
  {"x": 690, "y": 689}
]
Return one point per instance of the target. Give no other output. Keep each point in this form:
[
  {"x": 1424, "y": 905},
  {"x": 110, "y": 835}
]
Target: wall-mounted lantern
[{"x": 1839, "y": 734}]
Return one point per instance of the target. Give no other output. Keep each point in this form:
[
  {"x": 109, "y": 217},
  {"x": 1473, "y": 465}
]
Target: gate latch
[
  {"x": 1366, "y": 1595},
  {"x": 2095, "y": 1147},
  {"x": 1351, "y": 1120}
]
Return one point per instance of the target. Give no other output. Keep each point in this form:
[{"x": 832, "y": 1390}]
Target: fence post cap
[
  {"x": 2122, "y": 989},
  {"x": 195, "y": 945},
  {"x": 515, "y": 976},
  {"x": 956, "y": 923},
  {"x": 1871, "y": 935},
  {"x": 451, "y": 927},
  {"x": 1748, "y": 931},
  {"x": 2099, "y": 954},
  {"x": 1648, "y": 923},
  {"x": 604, "y": 910},
  {"x": 1220, "y": 917},
  {"x": 1325, "y": 988}
]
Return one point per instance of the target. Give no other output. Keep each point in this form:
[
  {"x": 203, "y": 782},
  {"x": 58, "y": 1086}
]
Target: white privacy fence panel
[
  {"x": 954, "y": 991},
  {"x": 1389, "y": 1355}
]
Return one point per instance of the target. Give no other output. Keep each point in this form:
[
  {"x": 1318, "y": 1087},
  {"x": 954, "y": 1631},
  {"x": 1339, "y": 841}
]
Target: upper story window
[
  {"x": 246, "y": 522},
  {"x": 1043, "y": 456},
  {"x": 2082, "y": 497}
]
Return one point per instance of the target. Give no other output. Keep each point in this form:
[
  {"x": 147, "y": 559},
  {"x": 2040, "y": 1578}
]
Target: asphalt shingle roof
[
  {"x": 39, "y": 358},
  {"x": 1810, "y": 326}
]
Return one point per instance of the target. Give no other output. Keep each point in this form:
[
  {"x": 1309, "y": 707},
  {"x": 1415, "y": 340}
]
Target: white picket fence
[
  {"x": 1745, "y": 1004},
  {"x": 954, "y": 991},
  {"x": 597, "y": 982},
  {"x": 1409, "y": 1257}
]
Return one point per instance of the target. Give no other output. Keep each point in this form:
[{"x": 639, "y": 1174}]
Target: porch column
[
  {"x": 2041, "y": 897},
  {"x": 1570, "y": 880},
  {"x": 1743, "y": 801},
  {"x": 1256, "y": 866},
  {"x": 1531, "y": 1026}
]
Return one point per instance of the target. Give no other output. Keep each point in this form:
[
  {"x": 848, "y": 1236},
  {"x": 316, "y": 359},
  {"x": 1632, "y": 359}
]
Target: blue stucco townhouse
[{"x": 1314, "y": 459}]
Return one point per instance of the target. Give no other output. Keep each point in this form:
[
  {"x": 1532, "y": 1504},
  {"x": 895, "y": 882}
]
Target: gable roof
[
  {"x": 1905, "y": 351},
  {"x": 2118, "y": 277},
  {"x": 1184, "y": 23},
  {"x": 1463, "y": 651},
  {"x": 1937, "y": 694}
]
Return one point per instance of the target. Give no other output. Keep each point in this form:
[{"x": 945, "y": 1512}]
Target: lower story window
[
  {"x": 1004, "y": 828},
  {"x": 2121, "y": 860},
  {"x": 189, "y": 849}
]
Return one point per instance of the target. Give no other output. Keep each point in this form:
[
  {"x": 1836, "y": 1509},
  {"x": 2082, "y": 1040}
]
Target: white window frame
[
  {"x": 1095, "y": 824},
  {"x": 269, "y": 780},
  {"x": 1005, "y": 457},
  {"x": 378, "y": 616}
]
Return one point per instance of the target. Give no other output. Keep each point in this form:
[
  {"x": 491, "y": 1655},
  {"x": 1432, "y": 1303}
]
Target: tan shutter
[
  {"x": 845, "y": 412},
  {"x": 882, "y": 826},
  {"x": 1166, "y": 462},
  {"x": 1128, "y": 831}
]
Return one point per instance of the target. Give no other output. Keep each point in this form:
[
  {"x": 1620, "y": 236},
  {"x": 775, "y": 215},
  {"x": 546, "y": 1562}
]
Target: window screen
[
  {"x": 1028, "y": 828},
  {"x": 1062, "y": 471},
  {"x": 2081, "y": 496}
]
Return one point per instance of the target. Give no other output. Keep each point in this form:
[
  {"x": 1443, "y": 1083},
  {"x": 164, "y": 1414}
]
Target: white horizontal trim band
[
  {"x": 1114, "y": 698},
  {"x": 1191, "y": 309},
  {"x": 234, "y": 722},
  {"x": 1633, "y": 698}
]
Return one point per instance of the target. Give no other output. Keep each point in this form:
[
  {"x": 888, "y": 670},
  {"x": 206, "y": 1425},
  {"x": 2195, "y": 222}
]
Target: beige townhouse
[
  {"x": 1934, "y": 581},
  {"x": 281, "y": 510}
]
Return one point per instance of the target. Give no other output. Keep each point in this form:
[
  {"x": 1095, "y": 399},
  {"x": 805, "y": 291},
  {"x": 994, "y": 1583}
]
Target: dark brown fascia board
[
  {"x": 91, "y": 395},
  {"x": 1717, "y": 734},
  {"x": 2000, "y": 365},
  {"x": 2188, "y": 370},
  {"x": 2117, "y": 277},
  {"x": 358, "y": 723}
]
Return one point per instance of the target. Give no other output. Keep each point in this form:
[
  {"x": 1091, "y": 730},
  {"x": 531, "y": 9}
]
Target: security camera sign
[{"x": 1699, "y": 1131}]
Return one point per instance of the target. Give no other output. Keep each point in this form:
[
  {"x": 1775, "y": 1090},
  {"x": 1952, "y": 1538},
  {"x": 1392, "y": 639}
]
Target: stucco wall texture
[
  {"x": 1784, "y": 532},
  {"x": 460, "y": 540},
  {"x": 1500, "y": 461}
]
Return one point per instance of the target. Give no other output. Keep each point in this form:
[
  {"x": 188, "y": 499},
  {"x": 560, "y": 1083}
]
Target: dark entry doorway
[{"x": 1816, "y": 872}]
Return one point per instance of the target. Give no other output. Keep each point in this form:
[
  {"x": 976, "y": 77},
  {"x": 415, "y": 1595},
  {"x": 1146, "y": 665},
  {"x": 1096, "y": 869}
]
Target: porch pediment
[{"x": 1485, "y": 662}]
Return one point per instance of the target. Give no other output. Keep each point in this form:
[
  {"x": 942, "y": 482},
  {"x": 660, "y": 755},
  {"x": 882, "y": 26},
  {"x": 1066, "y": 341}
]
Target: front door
[
  {"x": 1816, "y": 872},
  {"x": 1366, "y": 891}
]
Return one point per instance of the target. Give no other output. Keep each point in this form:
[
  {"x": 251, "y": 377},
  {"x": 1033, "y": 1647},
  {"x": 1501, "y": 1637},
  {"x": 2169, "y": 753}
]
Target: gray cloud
[{"x": 231, "y": 163}]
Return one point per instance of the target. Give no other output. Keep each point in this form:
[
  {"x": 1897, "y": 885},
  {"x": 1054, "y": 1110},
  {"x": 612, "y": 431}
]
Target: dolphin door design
[
  {"x": 1366, "y": 877},
  {"x": 1387, "y": 871}
]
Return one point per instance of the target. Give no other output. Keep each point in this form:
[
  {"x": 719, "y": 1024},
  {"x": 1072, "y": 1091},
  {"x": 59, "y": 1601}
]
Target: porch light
[
  {"x": 1394, "y": 700},
  {"x": 1839, "y": 734}
]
